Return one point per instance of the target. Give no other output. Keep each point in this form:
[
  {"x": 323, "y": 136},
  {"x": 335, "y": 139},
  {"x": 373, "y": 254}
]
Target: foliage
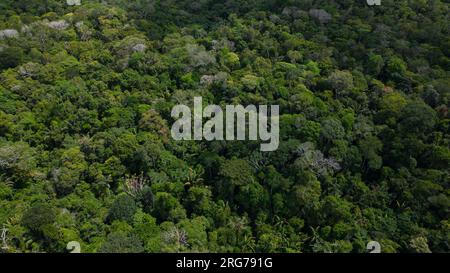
[{"x": 86, "y": 93}]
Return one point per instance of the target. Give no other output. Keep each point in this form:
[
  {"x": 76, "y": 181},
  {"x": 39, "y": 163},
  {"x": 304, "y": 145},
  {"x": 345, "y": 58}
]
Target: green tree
[
  {"x": 123, "y": 208},
  {"x": 121, "y": 243},
  {"x": 11, "y": 57},
  {"x": 39, "y": 217}
]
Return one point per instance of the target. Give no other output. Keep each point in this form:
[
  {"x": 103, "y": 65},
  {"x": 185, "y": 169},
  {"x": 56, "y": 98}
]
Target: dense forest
[{"x": 86, "y": 155}]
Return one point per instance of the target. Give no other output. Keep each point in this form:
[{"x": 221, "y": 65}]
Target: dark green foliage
[
  {"x": 11, "y": 57},
  {"x": 120, "y": 243},
  {"x": 147, "y": 199},
  {"x": 167, "y": 207},
  {"x": 86, "y": 154},
  {"x": 417, "y": 117},
  {"x": 123, "y": 209},
  {"x": 39, "y": 217}
]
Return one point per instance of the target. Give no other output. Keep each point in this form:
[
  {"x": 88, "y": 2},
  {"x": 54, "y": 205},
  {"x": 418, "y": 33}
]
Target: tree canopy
[{"x": 86, "y": 93}]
